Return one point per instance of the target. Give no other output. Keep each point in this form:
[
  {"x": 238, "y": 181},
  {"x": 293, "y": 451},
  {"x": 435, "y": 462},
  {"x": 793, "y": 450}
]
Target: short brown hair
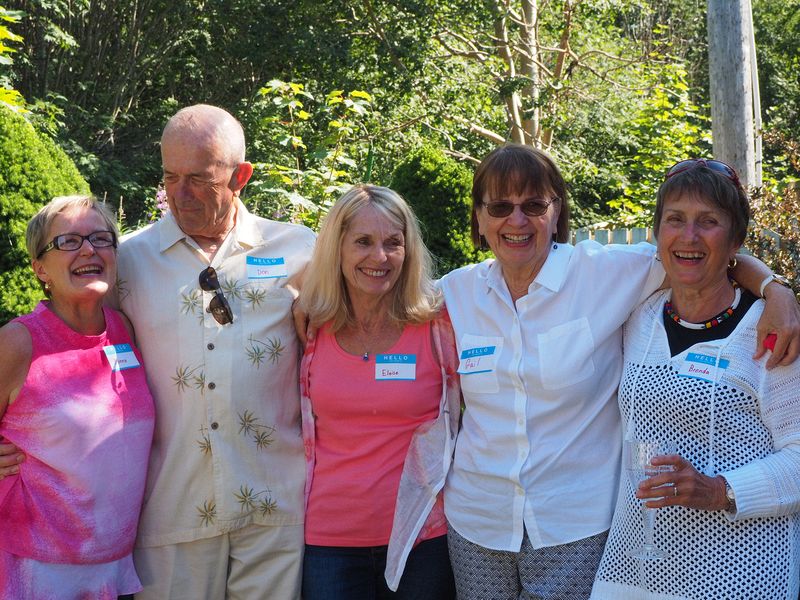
[
  {"x": 714, "y": 187},
  {"x": 515, "y": 168}
]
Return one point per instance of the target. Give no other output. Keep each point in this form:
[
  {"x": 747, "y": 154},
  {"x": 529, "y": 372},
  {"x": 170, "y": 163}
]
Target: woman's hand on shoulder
[{"x": 782, "y": 317}]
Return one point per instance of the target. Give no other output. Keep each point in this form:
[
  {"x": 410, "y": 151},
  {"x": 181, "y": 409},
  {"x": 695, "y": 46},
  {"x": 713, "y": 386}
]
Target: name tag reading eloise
[
  {"x": 477, "y": 360},
  {"x": 398, "y": 367},
  {"x": 266, "y": 268},
  {"x": 120, "y": 357},
  {"x": 701, "y": 366}
]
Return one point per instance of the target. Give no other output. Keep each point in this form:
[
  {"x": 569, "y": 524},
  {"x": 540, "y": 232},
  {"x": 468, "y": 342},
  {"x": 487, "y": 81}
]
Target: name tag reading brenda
[
  {"x": 398, "y": 367},
  {"x": 477, "y": 360},
  {"x": 120, "y": 357},
  {"x": 701, "y": 366},
  {"x": 266, "y": 268}
]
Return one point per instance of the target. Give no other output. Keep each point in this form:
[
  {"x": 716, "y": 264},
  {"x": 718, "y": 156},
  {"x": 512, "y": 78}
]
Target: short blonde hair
[
  {"x": 415, "y": 298},
  {"x": 39, "y": 225}
]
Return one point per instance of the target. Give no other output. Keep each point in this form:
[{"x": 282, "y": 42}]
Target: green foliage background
[
  {"x": 333, "y": 92},
  {"x": 439, "y": 190},
  {"x": 32, "y": 171}
]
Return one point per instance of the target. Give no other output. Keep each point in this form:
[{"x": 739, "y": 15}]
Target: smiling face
[
  {"x": 695, "y": 242},
  {"x": 87, "y": 273},
  {"x": 372, "y": 254},
  {"x": 521, "y": 243},
  {"x": 199, "y": 184}
]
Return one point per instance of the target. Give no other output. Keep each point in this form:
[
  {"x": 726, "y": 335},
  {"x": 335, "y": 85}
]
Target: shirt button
[
  {"x": 520, "y": 491},
  {"x": 215, "y": 425},
  {"x": 210, "y": 346},
  {"x": 520, "y": 421},
  {"x": 212, "y": 385}
]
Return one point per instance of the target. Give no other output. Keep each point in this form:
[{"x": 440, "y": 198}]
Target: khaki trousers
[{"x": 254, "y": 563}]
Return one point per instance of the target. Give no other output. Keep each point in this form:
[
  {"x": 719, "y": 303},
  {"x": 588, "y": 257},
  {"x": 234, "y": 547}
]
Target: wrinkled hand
[
  {"x": 10, "y": 457},
  {"x": 694, "y": 490},
  {"x": 782, "y": 317},
  {"x": 300, "y": 319}
]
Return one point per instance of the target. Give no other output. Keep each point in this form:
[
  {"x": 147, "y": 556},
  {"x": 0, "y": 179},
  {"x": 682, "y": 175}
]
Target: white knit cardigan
[{"x": 745, "y": 425}]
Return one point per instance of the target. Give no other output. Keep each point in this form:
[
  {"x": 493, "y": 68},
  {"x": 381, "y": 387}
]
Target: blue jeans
[{"x": 342, "y": 573}]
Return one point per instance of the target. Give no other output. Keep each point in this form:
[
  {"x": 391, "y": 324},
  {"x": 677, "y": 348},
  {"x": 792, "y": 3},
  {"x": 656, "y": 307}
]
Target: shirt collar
[
  {"x": 550, "y": 276},
  {"x": 245, "y": 232}
]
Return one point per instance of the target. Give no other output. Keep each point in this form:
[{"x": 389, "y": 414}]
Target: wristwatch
[
  {"x": 731, "y": 497},
  {"x": 777, "y": 279}
]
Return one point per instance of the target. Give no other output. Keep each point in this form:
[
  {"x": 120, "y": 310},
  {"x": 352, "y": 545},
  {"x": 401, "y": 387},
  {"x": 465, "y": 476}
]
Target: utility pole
[{"x": 731, "y": 58}]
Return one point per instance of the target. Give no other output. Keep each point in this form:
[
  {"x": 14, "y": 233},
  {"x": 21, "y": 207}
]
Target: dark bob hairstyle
[{"x": 518, "y": 169}]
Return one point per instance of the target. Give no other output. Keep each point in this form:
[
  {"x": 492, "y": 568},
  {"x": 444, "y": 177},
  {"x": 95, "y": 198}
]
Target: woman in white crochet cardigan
[{"x": 728, "y": 518}]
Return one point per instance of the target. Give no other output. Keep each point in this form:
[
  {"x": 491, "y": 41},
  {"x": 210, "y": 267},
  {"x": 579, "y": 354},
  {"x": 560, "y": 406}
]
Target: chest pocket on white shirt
[
  {"x": 565, "y": 354},
  {"x": 477, "y": 364}
]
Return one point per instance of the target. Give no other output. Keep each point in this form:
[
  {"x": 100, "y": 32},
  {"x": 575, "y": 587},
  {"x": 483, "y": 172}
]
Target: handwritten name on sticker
[
  {"x": 266, "y": 268},
  {"x": 397, "y": 367},
  {"x": 120, "y": 357},
  {"x": 701, "y": 366},
  {"x": 477, "y": 360}
]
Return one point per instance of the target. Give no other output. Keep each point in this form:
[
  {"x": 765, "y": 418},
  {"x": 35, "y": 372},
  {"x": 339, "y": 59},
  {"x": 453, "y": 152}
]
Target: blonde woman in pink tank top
[
  {"x": 74, "y": 401},
  {"x": 380, "y": 402}
]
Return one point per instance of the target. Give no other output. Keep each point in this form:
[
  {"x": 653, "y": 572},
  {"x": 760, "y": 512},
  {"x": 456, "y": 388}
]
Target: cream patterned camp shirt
[{"x": 227, "y": 450}]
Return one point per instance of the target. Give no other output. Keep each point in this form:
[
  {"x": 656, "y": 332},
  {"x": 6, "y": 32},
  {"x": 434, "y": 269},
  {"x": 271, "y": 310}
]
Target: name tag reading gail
[
  {"x": 701, "y": 366},
  {"x": 397, "y": 367},
  {"x": 120, "y": 357},
  {"x": 266, "y": 268},
  {"x": 477, "y": 360}
]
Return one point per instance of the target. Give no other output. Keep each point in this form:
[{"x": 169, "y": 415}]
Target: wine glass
[{"x": 638, "y": 456}]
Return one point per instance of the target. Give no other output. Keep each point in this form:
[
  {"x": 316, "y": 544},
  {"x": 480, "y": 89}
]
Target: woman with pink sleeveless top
[
  {"x": 74, "y": 400},
  {"x": 380, "y": 402}
]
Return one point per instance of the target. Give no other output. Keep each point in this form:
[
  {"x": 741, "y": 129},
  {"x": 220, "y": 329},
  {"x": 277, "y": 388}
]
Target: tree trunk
[
  {"x": 530, "y": 68},
  {"x": 729, "y": 25}
]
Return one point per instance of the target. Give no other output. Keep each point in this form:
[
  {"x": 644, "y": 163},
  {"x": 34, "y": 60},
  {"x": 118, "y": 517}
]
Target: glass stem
[{"x": 649, "y": 527}]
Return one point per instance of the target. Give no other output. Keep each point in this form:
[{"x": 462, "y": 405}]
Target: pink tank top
[
  {"x": 363, "y": 428},
  {"x": 86, "y": 430}
]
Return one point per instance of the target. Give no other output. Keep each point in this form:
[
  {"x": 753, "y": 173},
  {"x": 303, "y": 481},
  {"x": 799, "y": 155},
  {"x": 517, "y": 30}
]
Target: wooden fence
[{"x": 635, "y": 235}]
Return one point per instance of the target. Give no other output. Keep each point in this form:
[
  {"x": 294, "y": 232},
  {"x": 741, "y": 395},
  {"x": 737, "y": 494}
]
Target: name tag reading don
[
  {"x": 701, "y": 366},
  {"x": 120, "y": 357},
  {"x": 398, "y": 367},
  {"x": 477, "y": 360},
  {"x": 266, "y": 268}
]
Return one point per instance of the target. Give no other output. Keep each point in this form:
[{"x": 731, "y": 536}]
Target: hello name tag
[
  {"x": 701, "y": 366},
  {"x": 266, "y": 268},
  {"x": 120, "y": 357},
  {"x": 477, "y": 360},
  {"x": 397, "y": 367}
]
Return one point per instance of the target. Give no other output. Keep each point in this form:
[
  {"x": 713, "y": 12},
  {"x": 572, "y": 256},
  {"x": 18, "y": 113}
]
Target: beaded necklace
[{"x": 725, "y": 314}]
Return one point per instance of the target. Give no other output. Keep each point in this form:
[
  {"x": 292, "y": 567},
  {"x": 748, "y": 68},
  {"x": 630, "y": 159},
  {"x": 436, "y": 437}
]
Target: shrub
[
  {"x": 32, "y": 171},
  {"x": 775, "y": 213},
  {"x": 438, "y": 189}
]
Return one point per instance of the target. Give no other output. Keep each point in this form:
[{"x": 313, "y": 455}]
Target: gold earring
[{"x": 732, "y": 263}]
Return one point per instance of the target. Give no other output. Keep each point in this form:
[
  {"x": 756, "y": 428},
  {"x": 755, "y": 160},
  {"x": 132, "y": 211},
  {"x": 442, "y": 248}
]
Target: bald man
[{"x": 208, "y": 291}]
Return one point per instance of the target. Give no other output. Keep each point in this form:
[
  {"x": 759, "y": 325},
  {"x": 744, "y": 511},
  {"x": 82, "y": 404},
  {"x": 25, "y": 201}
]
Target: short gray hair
[{"x": 210, "y": 123}]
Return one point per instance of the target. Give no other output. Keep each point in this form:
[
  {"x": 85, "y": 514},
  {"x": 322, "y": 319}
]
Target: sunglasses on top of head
[
  {"x": 715, "y": 165},
  {"x": 532, "y": 208}
]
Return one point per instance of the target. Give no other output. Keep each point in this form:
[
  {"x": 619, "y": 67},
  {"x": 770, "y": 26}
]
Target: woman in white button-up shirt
[{"x": 531, "y": 491}]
